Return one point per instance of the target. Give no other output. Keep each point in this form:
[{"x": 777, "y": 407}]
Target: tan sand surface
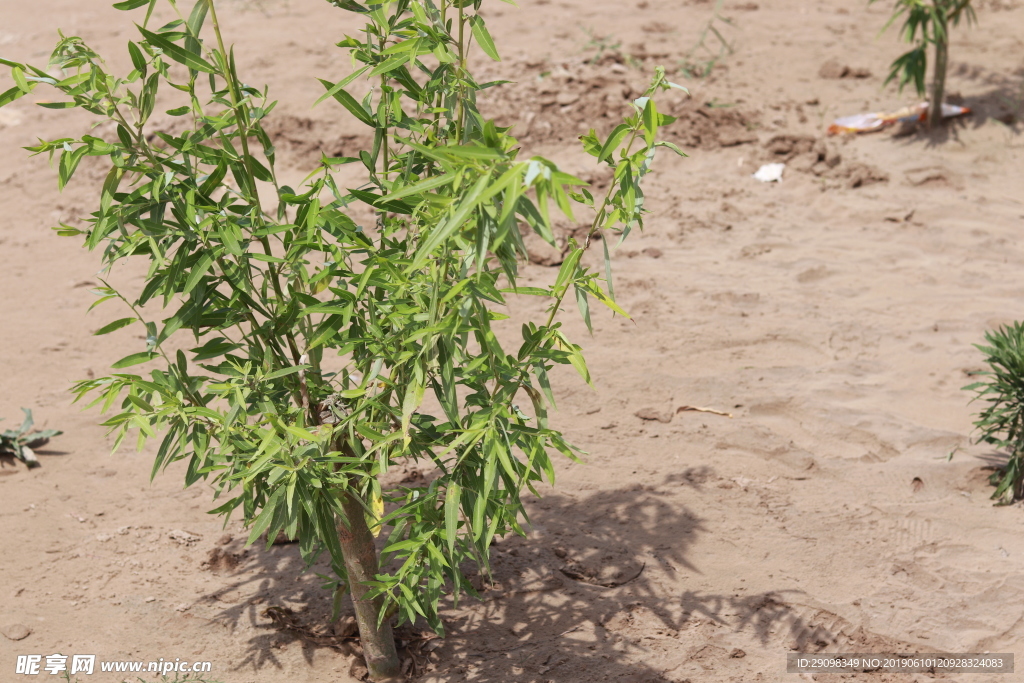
[{"x": 832, "y": 314}]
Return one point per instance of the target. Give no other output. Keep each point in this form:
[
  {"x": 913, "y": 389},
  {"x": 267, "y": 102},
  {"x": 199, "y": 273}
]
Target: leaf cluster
[
  {"x": 925, "y": 23},
  {"x": 1001, "y": 422},
  {"x": 711, "y": 46},
  {"x": 21, "y": 441}
]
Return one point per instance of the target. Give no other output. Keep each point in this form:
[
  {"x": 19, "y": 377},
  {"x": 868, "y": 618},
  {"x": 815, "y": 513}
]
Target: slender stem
[
  {"x": 594, "y": 227},
  {"x": 459, "y": 94},
  {"x": 939, "y": 76},
  {"x": 439, "y": 98},
  {"x": 241, "y": 117},
  {"x": 384, "y": 103},
  {"x": 241, "y": 120},
  {"x": 192, "y": 396}
]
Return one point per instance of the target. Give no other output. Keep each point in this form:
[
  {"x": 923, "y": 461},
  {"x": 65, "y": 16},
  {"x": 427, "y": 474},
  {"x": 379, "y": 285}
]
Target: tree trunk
[
  {"x": 361, "y": 565},
  {"x": 939, "y": 80}
]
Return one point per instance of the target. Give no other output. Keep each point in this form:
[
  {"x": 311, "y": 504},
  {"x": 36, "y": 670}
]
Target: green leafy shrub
[
  {"x": 1001, "y": 423},
  {"x": 315, "y": 340},
  {"x": 20, "y": 442}
]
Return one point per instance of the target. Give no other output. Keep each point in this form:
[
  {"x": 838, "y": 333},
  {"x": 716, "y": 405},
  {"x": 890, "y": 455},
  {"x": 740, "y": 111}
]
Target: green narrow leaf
[
  {"x": 176, "y": 52},
  {"x": 57, "y": 105},
  {"x": 479, "y": 512},
  {"x": 608, "y": 268},
  {"x": 650, "y": 121},
  {"x": 483, "y": 37},
  {"x": 198, "y": 271},
  {"x": 130, "y": 4},
  {"x": 350, "y": 103},
  {"x": 169, "y": 441},
  {"x": 421, "y": 186},
  {"x": 138, "y": 59},
  {"x": 140, "y": 403},
  {"x": 581, "y": 302},
  {"x": 451, "y": 514},
  {"x": 545, "y": 384},
  {"x": 595, "y": 289},
  {"x": 135, "y": 359},
  {"x": 568, "y": 268},
  {"x": 68, "y": 164},
  {"x": 285, "y": 372},
  {"x": 440, "y": 233},
  {"x": 389, "y": 65},
  {"x": 340, "y": 85},
  {"x": 116, "y": 325},
  {"x": 412, "y": 400},
  {"x": 575, "y": 356},
  {"x": 110, "y": 184},
  {"x": 213, "y": 348},
  {"x": 213, "y": 181},
  {"x": 8, "y": 96},
  {"x": 266, "y": 517},
  {"x": 197, "y": 17},
  {"x": 612, "y": 143},
  {"x": 18, "y": 74},
  {"x": 671, "y": 146}
]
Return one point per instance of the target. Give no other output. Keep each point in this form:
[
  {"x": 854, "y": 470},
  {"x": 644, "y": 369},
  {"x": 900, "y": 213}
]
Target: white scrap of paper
[{"x": 770, "y": 172}]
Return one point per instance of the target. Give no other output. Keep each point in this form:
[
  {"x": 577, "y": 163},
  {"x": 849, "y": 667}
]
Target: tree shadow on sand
[
  {"x": 590, "y": 594},
  {"x": 1003, "y": 103},
  {"x": 587, "y": 559},
  {"x": 274, "y": 593}
]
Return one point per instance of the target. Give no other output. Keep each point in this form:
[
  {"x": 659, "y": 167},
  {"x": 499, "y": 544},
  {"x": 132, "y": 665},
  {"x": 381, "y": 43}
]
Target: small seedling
[
  {"x": 1014, "y": 103},
  {"x": 926, "y": 23},
  {"x": 21, "y": 441},
  {"x": 600, "y": 45},
  {"x": 1001, "y": 423},
  {"x": 711, "y": 47}
]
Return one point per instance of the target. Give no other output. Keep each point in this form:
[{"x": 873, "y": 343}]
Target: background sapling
[{"x": 927, "y": 23}]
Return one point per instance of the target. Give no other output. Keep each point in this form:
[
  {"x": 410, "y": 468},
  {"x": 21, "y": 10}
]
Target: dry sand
[{"x": 832, "y": 314}]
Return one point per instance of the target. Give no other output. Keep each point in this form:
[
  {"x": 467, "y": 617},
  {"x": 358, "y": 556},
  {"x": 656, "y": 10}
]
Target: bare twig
[
  {"x": 576, "y": 576},
  {"x": 697, "y": 409}
]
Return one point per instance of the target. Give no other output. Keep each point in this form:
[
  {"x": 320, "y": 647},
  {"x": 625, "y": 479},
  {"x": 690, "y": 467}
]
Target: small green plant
[
  {"x": 20, "y": 442},
  {"x": 1013, "y": 102},
  {"x": 600, "y": 45},
  {"x": 711, "y": 46},
  {"x": 1001, "y": 423},
  {"x": 926, "y": 23},
  {"x": 314, "y": 340}
]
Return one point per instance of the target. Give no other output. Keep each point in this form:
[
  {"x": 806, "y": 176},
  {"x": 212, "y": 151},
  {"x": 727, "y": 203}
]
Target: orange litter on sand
[{"x": 868, "y": 123}]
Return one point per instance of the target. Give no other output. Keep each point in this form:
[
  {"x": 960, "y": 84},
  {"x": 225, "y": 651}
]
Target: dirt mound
[
  {"x": 559, "y": 102},
  {"x": 816, "y": 156},
  {"x": 834, "y": 69},
  {"x": 550, "y": 103}
]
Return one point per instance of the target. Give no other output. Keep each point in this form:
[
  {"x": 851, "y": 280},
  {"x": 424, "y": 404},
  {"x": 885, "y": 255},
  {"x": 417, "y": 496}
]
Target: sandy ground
[{"x": 833, "y": 315}]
